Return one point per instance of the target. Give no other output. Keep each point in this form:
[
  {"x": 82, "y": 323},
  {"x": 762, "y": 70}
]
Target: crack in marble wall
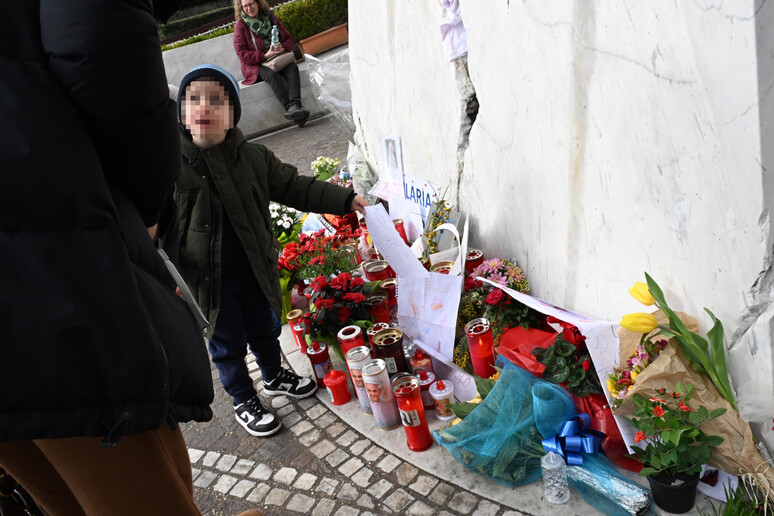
[{"x": 469, "y": 103}]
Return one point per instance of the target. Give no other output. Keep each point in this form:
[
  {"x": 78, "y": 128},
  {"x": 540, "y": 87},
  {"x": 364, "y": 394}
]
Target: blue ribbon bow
[{"x": 574, "y": 439}]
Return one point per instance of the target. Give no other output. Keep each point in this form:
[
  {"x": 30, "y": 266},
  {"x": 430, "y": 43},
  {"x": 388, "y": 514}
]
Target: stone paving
[{"x": 317, "y": 464}]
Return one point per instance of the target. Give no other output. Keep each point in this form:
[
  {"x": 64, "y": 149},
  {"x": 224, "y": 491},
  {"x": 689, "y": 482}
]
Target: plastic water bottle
[
  {"x": 274, "y": 35},
  {"x": 556, "y": 489}
]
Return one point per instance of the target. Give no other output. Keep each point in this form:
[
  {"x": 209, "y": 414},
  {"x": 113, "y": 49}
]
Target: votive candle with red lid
[
  {"x": 421, "y": 361},
  {"x": 473, "y": 258},
  {"x": 296, "y": 324},
  {"x": 390, "y": 285},
  {"x": 398, "y": 223},
  {"x": 443, "y": 267},
  {"x": 481, "y": 344},
  {"x": 412, "y": 412},
  {"x": 377, "y": 270},
  {"x": 336, "y": 383},
  {"x": 426, "y": 379},
  {"x": 321, "y": 361},
  {"x": 376, "y": 304},
  {"x": 350, "y": 337}
]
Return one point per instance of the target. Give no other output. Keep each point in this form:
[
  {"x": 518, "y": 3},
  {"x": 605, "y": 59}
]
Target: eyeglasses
[{"x": 248, "y": 4}]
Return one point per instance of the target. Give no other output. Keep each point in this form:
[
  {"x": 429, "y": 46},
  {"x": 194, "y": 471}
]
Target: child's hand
[{"x": 358, "y": 204}]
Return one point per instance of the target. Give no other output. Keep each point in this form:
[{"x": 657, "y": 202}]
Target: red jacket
[{"x": 251, "y": 56}]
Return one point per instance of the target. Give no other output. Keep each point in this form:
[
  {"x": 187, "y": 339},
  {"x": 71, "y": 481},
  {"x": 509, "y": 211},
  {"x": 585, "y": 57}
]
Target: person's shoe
[
  {"x": 256, "y": 419},
  {"x": 302, "y": 122},
  {"x": 295, "y": 112},
  {"x": 290, "y": 384}
]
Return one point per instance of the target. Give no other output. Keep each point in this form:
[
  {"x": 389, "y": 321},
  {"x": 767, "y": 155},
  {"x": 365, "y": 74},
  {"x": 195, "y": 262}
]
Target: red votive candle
[
  {"x": 321, "y": 361},
  {"x": 296, "y": 324},
  {"x": 480, "y": 343},
  {"x": 377, "y": 270},
  {"x": 412, "y": 413},
  {"x": 443, "y": 267},
  {"x": 336, "y": 383},
  {"x": 398, "y": 223},
  {"x": 473, "y": 258},
  {"x": 377, "y": 306},
  {"x": 426, "y": 379},
  {"x": 390, "y": 285},
  {"x": 371, "y": 333},
  {"x": 421, "y": 361},
  {"x": 350, "y": 337}
]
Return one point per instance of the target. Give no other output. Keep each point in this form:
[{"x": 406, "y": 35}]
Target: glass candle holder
[
  {"x": 412, "y": 412},
  {"x": 356, "y": 358},
  {"x": 421, "y": 361},
  {"x": 377, "y": 270},
  {"x": 473, "y": 258},
  {"x": 398, "y": 223},
  {"x": 321, "y": 361},
  {"x": 377, "y": 306},
  {"x": 481, "y": 343},
  {"x": 555, "y": 486},
  {"x": 389, "y": 347},
  {"x": 443, "y": 394},
  {"x": 390, "y": 286},
  {"x": 383, "y": 406},
  {"x": 443, "y": 267},
  {"x": 426, "y": 379}
]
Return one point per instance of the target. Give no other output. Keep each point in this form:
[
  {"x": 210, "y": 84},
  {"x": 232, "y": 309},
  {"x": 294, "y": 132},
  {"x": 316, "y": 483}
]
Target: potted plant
[
  {"x": 675, "y": 449},
  {"x": 317, "y": 25}
]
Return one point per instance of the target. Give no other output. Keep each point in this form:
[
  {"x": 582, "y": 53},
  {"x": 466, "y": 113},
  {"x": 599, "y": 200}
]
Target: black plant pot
[{"x": 676, "y": 499}]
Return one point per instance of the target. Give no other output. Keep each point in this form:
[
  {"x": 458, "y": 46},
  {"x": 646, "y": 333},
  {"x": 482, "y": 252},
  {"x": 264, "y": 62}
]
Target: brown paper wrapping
[{"x": 737, "y": 454}]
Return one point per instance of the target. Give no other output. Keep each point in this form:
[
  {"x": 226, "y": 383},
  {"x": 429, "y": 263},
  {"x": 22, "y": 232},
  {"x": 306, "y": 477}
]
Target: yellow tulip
[
  {"x": 641, "y": 293},
  {"x": 639, "y": 322},
  {"x": 610, "y": 385},
  {"x": 634, "y": 375}
]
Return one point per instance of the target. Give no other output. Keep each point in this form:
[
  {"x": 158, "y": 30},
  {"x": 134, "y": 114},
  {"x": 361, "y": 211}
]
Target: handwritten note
[
  {"x": 446, "y": 369},
  {"x": 427, "y": 310},
  {"x": 391, "y": 245}
]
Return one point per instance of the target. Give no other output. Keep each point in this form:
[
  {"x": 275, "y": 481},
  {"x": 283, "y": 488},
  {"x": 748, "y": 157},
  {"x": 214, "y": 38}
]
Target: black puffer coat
[{"x": 94, "y": 342}]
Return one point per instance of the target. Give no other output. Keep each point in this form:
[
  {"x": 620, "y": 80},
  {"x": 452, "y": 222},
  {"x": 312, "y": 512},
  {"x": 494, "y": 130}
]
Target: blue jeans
[{"x": 245, "y": 319}]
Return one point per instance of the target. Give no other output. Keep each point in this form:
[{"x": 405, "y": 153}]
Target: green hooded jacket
[{"x": 240, "y": 179}]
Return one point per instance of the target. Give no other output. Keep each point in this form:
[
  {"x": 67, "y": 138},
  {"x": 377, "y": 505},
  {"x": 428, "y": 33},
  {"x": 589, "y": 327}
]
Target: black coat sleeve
[{"x": 106, "y": 55}]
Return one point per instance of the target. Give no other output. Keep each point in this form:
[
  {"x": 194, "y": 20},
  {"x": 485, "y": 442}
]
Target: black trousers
[{"x": 286, "y": 84}]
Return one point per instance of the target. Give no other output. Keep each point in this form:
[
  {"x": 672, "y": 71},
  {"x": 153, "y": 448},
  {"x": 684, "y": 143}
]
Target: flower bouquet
[
  {"x": 317, "y": 254},
  {"x": 689, "y": 359},
  {"x": 285, "y": 223},
  {"x": 337, "y": 303},
  {"x": 324, "y": 168}
]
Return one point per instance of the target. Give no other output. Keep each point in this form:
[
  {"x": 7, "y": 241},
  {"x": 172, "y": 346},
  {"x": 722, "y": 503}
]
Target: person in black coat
[{"x": 99, "y": 359}]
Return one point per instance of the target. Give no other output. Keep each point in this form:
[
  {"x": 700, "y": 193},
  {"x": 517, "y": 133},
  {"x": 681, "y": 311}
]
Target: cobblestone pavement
[{"x": 317, "y": 464}]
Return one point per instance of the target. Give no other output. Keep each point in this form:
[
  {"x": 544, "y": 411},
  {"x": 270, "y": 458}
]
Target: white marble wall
[{"x": 612, "y": 138}]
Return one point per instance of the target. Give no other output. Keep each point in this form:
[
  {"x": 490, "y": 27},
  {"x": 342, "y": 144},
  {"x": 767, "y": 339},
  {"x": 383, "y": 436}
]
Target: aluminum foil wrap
[{"x": 606, "y": 490}]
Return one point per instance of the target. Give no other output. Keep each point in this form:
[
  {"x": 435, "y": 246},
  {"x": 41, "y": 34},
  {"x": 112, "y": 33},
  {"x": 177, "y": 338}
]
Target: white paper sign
[
  {"x": 445, "y": 369},
  {"x": 427, "y": 310},
  {"x": 391, "y": 245},
  {"x": 419, "y": 192}
]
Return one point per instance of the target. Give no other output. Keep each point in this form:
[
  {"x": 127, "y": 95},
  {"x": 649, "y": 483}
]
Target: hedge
[
  {"x": 192, "y": 22},
  {"x": 304, "y": 18}
]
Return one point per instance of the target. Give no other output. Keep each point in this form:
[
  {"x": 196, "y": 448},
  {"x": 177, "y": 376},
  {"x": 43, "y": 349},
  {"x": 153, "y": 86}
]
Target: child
[{"x": 228, "y": 254}]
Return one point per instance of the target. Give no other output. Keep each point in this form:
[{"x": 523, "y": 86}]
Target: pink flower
[{"x": 498, "y": 278}]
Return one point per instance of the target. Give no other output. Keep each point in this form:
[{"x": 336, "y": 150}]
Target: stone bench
[{"x": 262, "y": 113}]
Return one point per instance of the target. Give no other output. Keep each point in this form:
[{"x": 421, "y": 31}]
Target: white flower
[{"x": 286, "y": 224}]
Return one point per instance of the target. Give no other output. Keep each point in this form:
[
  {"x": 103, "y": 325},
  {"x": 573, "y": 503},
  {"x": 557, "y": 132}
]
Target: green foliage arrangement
[
  {"x": 202, "y": 37},
  {"x": 742, "y": 501},
  {"x": 568, "y": 360},
  {"x": 185, "y": 24},
  {"x": 304, "y": 18},
  {"x": 670, "y": 430}
]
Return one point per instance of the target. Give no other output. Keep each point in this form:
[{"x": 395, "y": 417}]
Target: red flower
[
  {"x": 661, "y": 391},
  {"x": 639, "y": 436},
  {"x": 494, "y": 297},
  {"x": 318, "y": 303},
  {"x": 317, "y": 260},
  {"x": 355, "y": 297},
  {"x": 356, "y": 282},
  {"x": 470, "y": 283},
  {"x": 658, "y": 411},
  {"x": 319, "y": 283},
  {"x": 573, "y": 335},
  {"x": 585, "y": 365},
  {"x": 684, "y": 407},
  {"x": 657, "y": 400},
  {"x": 328, "y": 303},
  {"x": 344, "y": 314}
]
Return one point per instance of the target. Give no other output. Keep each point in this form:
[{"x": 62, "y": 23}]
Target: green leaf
[
  {"x": 716, "y": 337},
  {"x": 506, "y": 455},
  {"x": 717, "y": 412},
  {"x": 484, "y": 385},
  {"x": 556, "y": 375},
  {"x": 647, "y": 472},
  {"x": 461, "y": 410},
  {"x": 714, "y": 440},
  {"x": 576, "y": 375},
  {"x": 563, "y": 348}
]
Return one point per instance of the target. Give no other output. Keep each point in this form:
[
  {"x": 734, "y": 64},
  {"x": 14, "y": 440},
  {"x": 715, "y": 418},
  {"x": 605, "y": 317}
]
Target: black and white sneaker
[
  {"x": 256, "y": 419},
  {"x": 290, "y": 384}
]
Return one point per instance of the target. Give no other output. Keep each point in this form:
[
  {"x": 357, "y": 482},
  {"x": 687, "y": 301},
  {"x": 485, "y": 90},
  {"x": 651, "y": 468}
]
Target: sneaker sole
[
  {"x": 256, "y": 433},
  {"x": 270, "y": 392}
]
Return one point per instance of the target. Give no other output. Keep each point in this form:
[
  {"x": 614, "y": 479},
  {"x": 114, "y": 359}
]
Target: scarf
[{"x": 261, "y": 27}]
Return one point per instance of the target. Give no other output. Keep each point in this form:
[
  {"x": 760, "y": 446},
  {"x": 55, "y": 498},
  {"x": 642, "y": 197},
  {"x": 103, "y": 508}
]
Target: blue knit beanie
[{"x": 219, "y": 74}]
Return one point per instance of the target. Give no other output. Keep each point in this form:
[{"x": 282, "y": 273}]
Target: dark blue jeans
[{"x": 245, "y": 319}]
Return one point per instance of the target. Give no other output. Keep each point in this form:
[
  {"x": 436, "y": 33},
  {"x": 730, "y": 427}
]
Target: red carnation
[
  {"x": 319, "y": 283},
  {"x": 328, "y": 303},
  {"x": 344, "y": 314}
]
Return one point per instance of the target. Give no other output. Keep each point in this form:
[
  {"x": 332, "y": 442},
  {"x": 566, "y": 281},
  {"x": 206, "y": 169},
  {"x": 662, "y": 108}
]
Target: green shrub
[
  {"x": 176, "y": 27},
  {"x": 304, "y": 18},
  {"x": 201, "y": 37}
]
